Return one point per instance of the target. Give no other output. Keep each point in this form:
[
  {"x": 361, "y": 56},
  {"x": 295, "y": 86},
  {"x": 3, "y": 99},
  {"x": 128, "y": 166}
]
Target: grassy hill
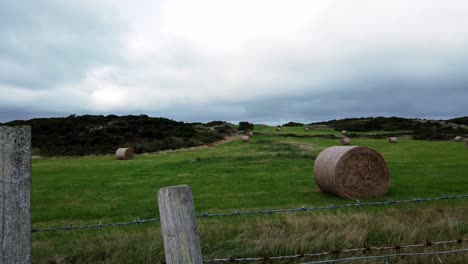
[
  {"x": 418, "y": 128},
  {"x": 95, "y": 135}
]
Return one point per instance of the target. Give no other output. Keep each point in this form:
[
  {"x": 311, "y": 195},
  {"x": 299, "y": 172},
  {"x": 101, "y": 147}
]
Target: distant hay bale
[
  {"x": 124, "y": 154},
  {"x": 245, "y": 138},
  {"x": 393, "y": 139},
  {"x": 345, "y": 141},
  {"x": 306, "y": 129},
  {"x": 458, "y": 139},
  {"x": 344, "y": 133},
  {"x": 351, "y": 172},
  {"x": 250, "y": 134},
  {"x": 278, "y": 129}
]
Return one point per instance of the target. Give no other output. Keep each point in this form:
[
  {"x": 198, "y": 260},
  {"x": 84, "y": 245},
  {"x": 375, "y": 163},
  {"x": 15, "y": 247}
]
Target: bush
[
  {"x": 215, "y": 123},
  {"x": 293, "y": 124},
  {"x": 245, "y": 126}
]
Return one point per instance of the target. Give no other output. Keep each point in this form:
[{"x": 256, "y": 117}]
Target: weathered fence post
[
  {"x": 15, "y": 187},
  {"x": 178, "y": 225}
]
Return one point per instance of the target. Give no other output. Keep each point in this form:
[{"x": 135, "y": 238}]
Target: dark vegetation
[
  {"x": 245, "y": 126},
  {"x": 293, "y": 124},
  {"x": 419, "y": 129},
  {"x": 89, "y": 134},
  {"x": 460, "y": 120},
  {"x": 372, "y": 124}
]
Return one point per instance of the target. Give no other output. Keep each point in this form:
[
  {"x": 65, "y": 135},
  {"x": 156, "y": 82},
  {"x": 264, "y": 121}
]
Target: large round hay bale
[
  {"x": 306, "y": 129},
  {"x": 344, "y": 133},
  {"x": 278, "y": 129},
  {"x": 393, "y": 139},
  {"x": 458, "y": 138},
  {"x": 351, "y": 172},
  {"x": 124, "y": 154},
  {"x": 345, "y": 141},
  {"x": 245, "y": 138}
]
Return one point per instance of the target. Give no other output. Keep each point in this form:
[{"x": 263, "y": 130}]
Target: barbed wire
[
  {"x": 387, "y": 257},
  {"x": 333, "y": 207},
  {"x": 268, "y": 211},
  {"x": 336, "y": 252},
  {"x": 100, "y": 225}
]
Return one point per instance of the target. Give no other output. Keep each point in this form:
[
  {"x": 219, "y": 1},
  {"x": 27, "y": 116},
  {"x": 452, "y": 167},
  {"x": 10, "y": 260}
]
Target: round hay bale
[
  {"x": 306, "y": 129},
  {"x": 393, "y": 139},
  {"x": 124, "y": 154},
  {"x": 345, "y": 141},
  {"x": 250, "y": 134},
  {"x": 458, "y": 139},
  {"x": 278, "y": 129},
  {"x": 351, "y": 172},
  {"x": 344, "y": 133},
  {"x": 245, "y": 138}
]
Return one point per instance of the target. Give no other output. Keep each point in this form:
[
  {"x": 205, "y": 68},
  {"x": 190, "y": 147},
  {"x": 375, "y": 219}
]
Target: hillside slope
[
  {"x": 85, "y": 135},
  {"x": 420, "y": 128}
]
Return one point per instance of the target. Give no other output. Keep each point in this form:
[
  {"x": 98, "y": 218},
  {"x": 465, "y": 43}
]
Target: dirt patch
[{"x": 224, "y": 141}]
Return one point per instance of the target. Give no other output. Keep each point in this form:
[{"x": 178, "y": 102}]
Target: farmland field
[{"x": 266, "y": 173}]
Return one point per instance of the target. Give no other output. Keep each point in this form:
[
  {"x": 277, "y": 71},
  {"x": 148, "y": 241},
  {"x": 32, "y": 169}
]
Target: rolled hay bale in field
[
  {"x": 345, "y": 141},
  {"x": 344, "y": 133},
  {"x": 458, "y": 139},
  {"x": 393, "y": 140},
  {"x": 351, "y": 172},
  {"x": 306, "y": 129},
  {"x": 278, "y": 129},
  {"x": 245, "y": 138},
  {"x": 124, "y": 154},
  {"x": 250, "y": 134}
]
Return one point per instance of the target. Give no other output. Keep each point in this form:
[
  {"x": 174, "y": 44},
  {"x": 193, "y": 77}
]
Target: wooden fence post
[
  {"x": 15, "y": 188},
  {"x": 178, "y": 225}
]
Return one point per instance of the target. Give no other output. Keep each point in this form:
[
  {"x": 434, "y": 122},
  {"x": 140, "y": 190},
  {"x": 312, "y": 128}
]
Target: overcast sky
[{"x": 258, "y": 60}]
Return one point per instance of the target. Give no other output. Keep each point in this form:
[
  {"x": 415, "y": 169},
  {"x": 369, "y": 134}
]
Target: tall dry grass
[{"x": 280, "y": 234}]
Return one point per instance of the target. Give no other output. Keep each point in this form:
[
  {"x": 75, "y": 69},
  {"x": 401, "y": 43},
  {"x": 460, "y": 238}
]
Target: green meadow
[{"x": 268, "y": 172}]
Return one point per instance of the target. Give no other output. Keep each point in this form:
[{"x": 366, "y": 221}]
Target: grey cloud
[
  {"x": 47, "y": 43},
  {"x": 18, "y": 113},
  {"x": 406, "y": 99}
]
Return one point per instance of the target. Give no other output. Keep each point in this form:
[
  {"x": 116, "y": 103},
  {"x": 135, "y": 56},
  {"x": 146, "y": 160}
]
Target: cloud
[
  {"x": 44, "y": 44},
  {"x": 234, "y": 60}
]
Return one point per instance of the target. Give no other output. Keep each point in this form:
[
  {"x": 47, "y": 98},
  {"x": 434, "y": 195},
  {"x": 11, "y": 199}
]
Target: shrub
[{"x": 245, "y": 126}]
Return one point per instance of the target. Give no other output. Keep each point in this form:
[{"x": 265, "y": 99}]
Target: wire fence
[
  {"x": 387, "y": 257},
  {"x": 257, "y": 212},
  {"x": 334, "y": 207},
  {"x": 336, "y": 252},
  {"x": 100, "y": 225}
]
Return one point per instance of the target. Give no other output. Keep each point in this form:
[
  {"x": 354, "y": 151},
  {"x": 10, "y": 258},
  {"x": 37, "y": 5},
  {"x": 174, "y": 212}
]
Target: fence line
[
  {"x": 100, "y": 225},
  {"x": 336, "y": 252},
  {"x": 333, "y": 207},
  {"x": 387, "y": 257},
  {"x": 256, "y": 212}
]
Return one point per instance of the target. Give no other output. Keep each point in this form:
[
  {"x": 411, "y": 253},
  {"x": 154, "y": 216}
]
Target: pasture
[{"x": 268, "y": 172}]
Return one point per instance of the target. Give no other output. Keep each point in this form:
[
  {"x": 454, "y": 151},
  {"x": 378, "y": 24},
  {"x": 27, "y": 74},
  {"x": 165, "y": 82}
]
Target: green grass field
[{"x": 267, "y": 172}]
